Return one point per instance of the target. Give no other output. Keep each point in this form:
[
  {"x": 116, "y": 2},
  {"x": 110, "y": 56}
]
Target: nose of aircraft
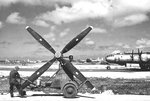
[{"x": 109, "y": 58}]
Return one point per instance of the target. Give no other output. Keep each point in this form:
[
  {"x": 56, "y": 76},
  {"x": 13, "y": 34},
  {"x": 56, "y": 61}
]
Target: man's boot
[
  {"x": 21, "y": 93},
  {"x": 11, "y": 95}
]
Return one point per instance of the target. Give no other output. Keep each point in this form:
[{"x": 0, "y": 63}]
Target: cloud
[
  {"x": 126, "y": 46},
  {"x": 30, "y": 43},
  {"x": 65, "y": 32},
  {"x": 84, "y": 9},
  {"x": 1, "y": 24},
  {"x": 98, "y": 30},
  {"x": 128, "y": 13},
  {"x": 53, "y": 28},
  {"x": 79, "y": 10},
  {"x": 40, "y": 23},
  {"x": 142, "y": 43},
  {"x": 50, "y": 36},
  {"x": 123, "y": 45},
  {"x": 131, "y": 6},
  {"x": 130, "y": 20},
  {"x": 86, "y": 44},
  {"x": 119, "y": 12},
  {"x": 14, "y": 18},
  {"x": 88, "y": 41},
  {"x": 116, "y": 46},
  {"x": 34, "y": 2},
  {"x": 4, "y": 44},
  {"x": 104, "y": 47}
]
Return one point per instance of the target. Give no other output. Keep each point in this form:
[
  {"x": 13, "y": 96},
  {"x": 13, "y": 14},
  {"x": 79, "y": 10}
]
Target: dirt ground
[{"x": 39, "y": 96}]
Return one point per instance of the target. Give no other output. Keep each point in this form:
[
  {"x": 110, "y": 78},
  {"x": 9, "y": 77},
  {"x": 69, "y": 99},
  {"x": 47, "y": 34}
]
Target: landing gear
[{"x": 145, "y": 66}]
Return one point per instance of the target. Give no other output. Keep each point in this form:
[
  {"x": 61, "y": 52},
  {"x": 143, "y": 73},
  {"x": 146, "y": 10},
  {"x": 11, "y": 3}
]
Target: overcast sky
[{"x": 118, "y": 25}]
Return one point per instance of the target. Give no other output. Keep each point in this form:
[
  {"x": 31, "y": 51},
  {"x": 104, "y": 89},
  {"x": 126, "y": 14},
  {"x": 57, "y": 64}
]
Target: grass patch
[
  {"x": 119, "y": 86},
  {"x": 124, "y": 86}
]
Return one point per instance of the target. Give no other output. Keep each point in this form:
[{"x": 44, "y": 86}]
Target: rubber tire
[
  {"x": 70, "y": 90},
  {"x": 108, "y": 67}
]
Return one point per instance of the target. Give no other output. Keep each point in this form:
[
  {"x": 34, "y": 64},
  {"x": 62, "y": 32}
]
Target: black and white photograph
[{"x": 59, "y": 50}]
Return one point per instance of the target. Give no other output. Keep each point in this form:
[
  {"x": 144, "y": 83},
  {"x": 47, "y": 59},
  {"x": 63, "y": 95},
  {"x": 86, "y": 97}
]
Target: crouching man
[{"x": 15, "y": 81}]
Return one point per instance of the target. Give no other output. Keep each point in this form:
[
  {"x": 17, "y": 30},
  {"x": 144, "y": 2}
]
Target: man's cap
[{"x": 17, "y": 67}]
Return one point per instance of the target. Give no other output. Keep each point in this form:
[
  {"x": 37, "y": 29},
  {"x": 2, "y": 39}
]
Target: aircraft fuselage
[{"x": 143, "y": 59}]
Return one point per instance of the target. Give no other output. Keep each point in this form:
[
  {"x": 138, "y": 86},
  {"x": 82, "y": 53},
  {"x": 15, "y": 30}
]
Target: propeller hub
[{"x": 58, "y": 54}]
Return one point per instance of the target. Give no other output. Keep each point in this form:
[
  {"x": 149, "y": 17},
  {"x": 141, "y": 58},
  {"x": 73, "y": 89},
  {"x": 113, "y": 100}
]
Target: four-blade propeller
[{"x": 69, "y": 69}]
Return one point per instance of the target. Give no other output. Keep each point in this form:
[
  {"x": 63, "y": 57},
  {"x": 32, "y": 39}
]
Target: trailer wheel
[
  {"x": 108, "y": 67},
  {"x": 70, "y": 90}
]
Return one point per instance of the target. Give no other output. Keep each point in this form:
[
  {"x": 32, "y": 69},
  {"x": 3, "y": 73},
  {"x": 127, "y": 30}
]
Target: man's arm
[{"x": 17, "y": 75}]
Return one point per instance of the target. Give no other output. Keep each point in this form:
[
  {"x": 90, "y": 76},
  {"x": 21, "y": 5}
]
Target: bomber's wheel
[{"x": 70, "y": 90}]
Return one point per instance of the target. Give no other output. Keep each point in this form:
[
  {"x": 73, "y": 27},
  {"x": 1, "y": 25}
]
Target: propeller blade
[
  {"x": 76, "y": 40},
  {"x": 38, "y": 73},
  {"x": 71, "y": 71},
  {"x": 40, "y": 39}
]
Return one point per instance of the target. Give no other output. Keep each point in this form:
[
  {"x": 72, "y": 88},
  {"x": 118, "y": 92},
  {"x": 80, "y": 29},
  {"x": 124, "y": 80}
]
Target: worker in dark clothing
[{"x": 15, "y": 80}]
